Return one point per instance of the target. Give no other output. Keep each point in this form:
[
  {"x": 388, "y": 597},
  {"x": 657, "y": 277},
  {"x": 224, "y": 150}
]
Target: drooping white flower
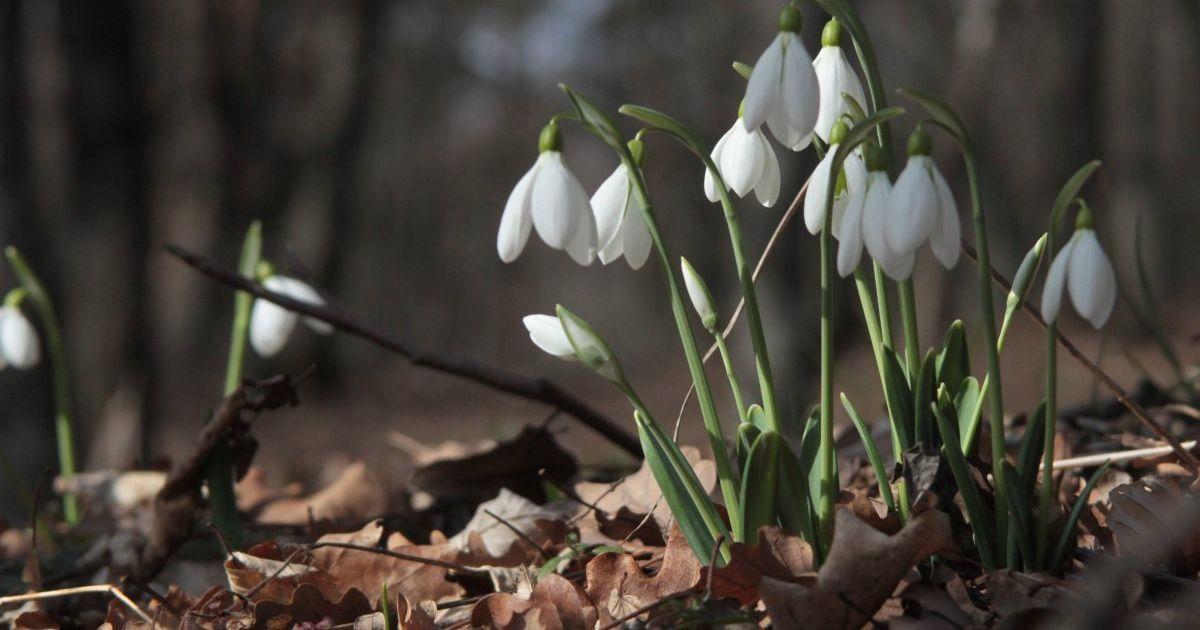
[
  {"x": 19, "y": 345},
  {"x": 873, "y": 208},
  {"x": 922, "y": 207},
  {"x": 783, "y": 91},
  {"x": 620, "y": 227},
  {"x": 1084, "y": 270},
  {"x": 851, "y": 178},
  {"x": 547, "y": 333},
  {"x": 551, "y": 200},
  {"x": 746, "y": 162},
  {"x": 836, "y": 77},
  {"x": 271, "y": 324}
]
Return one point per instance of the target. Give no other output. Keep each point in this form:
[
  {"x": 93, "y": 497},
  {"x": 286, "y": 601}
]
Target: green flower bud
[
  {"x": 701, "y": 298},
  {"x": 873, "y": 156},
  {"x": 264, "y": 270},
  {"x": 637, "y": 149},
  {"x": 838, "y": 132},
  {"x": 831, "y": 35},
  {"x": 551, "y": 139},
  {"x": 1084, "y": 219},
  {"x": 790, "y": 20},
  {"x": 919, "y": 142},
  {"x": 590, "y": 349}
]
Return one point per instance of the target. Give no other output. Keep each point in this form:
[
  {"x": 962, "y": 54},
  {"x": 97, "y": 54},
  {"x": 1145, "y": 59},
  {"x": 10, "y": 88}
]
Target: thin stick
[
  {"x": 1185, "y": 456},
  {"x": 532, "y": 388},
  {"x": 79, "y": 590},
  {"x": 1085, "y": 461},
  {"x": 520, "y": 534},
  {"x": 402, "y": 556}
]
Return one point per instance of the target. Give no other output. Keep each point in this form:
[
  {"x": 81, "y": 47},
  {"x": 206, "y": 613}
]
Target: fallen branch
[
  {"x": 1096, "y": 459},
  {"x": 532, "y": 388},
  {"x": 80, "y": 590}
]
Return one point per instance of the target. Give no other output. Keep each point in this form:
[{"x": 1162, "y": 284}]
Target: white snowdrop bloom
[
  {"x": 783, "y": 91},
  {"x": 19, "y": 345},
  {"x": 547, "y": 333},
  {"x": 923, "y": 207},
  {"x": 1082, "y": 268},
  {"x": 271, "y": 324},
  {"x": 620, "y": 227},
  {"x": 851, "y": 178},
  {"x": 836, "y": 77},
  {"x": 549, "y": 198},
  {"x": 873, "y": 208},
  {"x": 746, "y": 162}
]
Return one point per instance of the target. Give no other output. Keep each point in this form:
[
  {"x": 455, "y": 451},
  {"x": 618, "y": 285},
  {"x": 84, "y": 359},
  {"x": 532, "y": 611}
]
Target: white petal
[
  {"x": 582, "y": 248},
  {"x": 18, "y": 339},
  {"x": 944, "y": 241},
  {"x": 856, "y": 172},
  {"x": 913, "y": 207},
  {"x": 516, "y": 222},
  {"x": 818, "y": 189},
  {"x": 547, "y": 333},
  {"x": 762, "y": 91},
  {"x": 556, "y": 197},
  {"x": 609, "y": 204},
  {"x": 1056, "y": 279},
  {"x": 1091, "y": 280},
  {"x": 767, "y": 188},
  {"x": 636, "y": 237},
  {"x": 850, "y": 241},
  {"x": 270, "y": 327},
  {"x": 836, "y": 77},
  {"x": 741, "y": 162},
  {"x": 800, "y": 91},
  {"x": 710, "y": 182},
  {"x": 875, "y": 204},
  {"x": 300, "y": 291}
]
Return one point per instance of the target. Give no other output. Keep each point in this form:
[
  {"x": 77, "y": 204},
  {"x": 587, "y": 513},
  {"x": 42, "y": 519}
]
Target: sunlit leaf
[
  {"x": 759, "y": 485},
  {"x": 864, "y": 433}
]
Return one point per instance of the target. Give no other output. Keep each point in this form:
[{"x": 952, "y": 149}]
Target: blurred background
[{"x": 378, "y": 140}]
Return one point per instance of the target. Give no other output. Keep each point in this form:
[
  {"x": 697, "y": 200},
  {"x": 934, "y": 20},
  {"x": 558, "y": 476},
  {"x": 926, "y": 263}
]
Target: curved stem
[
  {"x": 63, "y": 428},
  {"x": 734, "y": 385}
]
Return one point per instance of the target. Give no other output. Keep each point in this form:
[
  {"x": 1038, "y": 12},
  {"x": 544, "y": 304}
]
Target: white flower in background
[
  {"x": 620, "y": 227},
  {"x": 1084, "y": 270},
  {"x": 19, "y": 345},
  {"x": 746, "y": 162},
  {"x": 547, "y": 333},
  {"x": 854, "y": 172},
  {"x": 922, "y": 206},
  {"x": 871, "y": 206},
  {"x": 271, "y": 324},
  {"x": 549, "y": 198},
  {"x": 783, "y": 91},
  {"x": 836, "y": 77}
]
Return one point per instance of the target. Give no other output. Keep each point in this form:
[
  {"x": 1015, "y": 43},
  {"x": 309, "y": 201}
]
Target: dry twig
[{"x": 80, "y": 590}]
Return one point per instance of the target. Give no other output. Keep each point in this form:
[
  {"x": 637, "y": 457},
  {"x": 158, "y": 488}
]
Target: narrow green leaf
[
  {"x": 810, "y": 447},
  {"x": 758, "y": 417},
  {"x": 669, "y": 124},
  {"x": 747, "y": 433},
  {"x": 954, "y": 359},
  {"x": 1029, "y": 457},
  {"x": 864, "y": 433},
  {"x": 857, "y": 113},
  {"x": 1022, "y": 520},
  {"x": 1068, "y": 530},
  {"x": 385, "y": 606},
  {"x": 922, "y": 396},
  {"x": 797, "y": 513},
  {"x": 743, "y": 69},
  {"x": 858, "y": 133},
  {"x": 966, "y": 405},
  {"x": 551, "y": 565},
  {"x": 1068, "y": 193},
  {"x": 942, "y": 114},
  {"x": 1022, "y": 283},
  {"x": 760, "y": 481},
  {"x": 899, "y": 398},
  {"x": 974, "y": 417},
  {"x": 981, "y": 524}
]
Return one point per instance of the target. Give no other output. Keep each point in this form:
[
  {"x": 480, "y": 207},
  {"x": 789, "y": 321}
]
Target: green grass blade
[
  {"x": 810, "y": 447},
  {"x": 760, "y": 481},
  {"x": 900, "y": 396},
  {"x": 1068, "y": 531},
  {"x": 1021, "y": 523},
  {"x": 1032, "y": 445},
  {"x": 981, "y": 524},
  {"x": 922, "y": 396},
  {"x": 864, "y": 433}
]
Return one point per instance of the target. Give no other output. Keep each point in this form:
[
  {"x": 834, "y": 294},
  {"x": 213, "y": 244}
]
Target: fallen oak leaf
[
  {"x": 368, "y": 571},
  {"x": 861, "y": 571},
  {"x": 308, "y": 603},
  {"x": 778, "y": 555},
  {"x": 509, "y": 530},
  {"x": 1146, "y": 513},
  {"x": 356, "y": 495},
  {"x": 618, "y": 587},
  {"x": 555, "y": 603}
]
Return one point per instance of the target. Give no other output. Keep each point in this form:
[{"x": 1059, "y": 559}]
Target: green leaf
[
  {"x": 1022, "y": 521},
  {"x": 899, "y": 397},
  {"x": 659, "y": 121},
  {"x": 1068, "y": 530},
  {"x": 550, "y": 566},
  {"x": 954, "y": 359},
  {"x": 922, "y": 396},
  {"x": 810, "y": 447},
  {"x": 743, "y": 69},
  {"x": 385, "y": 606},
  {"x": 760, "y": 480},
  {"x": 981, "y": 524},
  {"x": 858, "y": 133},
  {"x": 747, "y": 433},
  {"x": 690, "y": 505},
  {"x": 966, "y": 405},
  {"x": 1033, "y": 443},
  {"x": 1022, "y": 283},
  {"x": 758, "y": 417},
  {"x": 942, "y": 114},
  {"x": 864, "y": 434},
  {"x": 974, "y": 416},
  {"x": 797, "y": 513},
  {"x": 1067, "y": 195},
  {"x": 596, "y": 121},
  {"x": 857, "y": 113}
]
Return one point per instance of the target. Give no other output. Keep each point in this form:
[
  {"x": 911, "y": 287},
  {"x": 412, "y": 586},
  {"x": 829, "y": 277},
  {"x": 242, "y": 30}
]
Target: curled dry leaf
[
  {"x": 862, "y": 570},
  {"x": 249, "y": 570},
  {"x": 618, "y": 586},
  {"x": 368, "y": 572},
  {"x": 555, "y": 603},
  {"x": 254, "y": 492},
  {"x": 355, "y": 495},
  {"x": 423, "y": 454}
]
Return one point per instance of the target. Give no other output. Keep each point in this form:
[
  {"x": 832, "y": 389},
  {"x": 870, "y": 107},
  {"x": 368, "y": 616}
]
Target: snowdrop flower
[
  {"x": 746, "y": 162},
  {"x": 271, "y": 324},
  {"x": 702, "y": 299},
  {"x": 546, "y": 332},
  {"x": 620, "y": 226},
  {"x": 549, "y": 198},
  {"x": 922, "y": 206},
  {"x": 1082, "y": 268},
  {"x": 850, "y": 179},
  {"x": 783, "y": 91},
  {"x": 870, "y": 207},
  {"x": 836, "y": 77},
  {"x": 570, "y": 338},
  {"x": 19, "y": 345}
]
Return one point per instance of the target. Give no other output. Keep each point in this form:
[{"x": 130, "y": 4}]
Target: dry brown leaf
[
  {"x": 308, "y": 604},
  {"x": 407, "y": 616},
  {"x": 253, "y": 492},
  {"x": 368, "y": 572},
  {"x": 489, "y": 539},
  {"x": 423, "y": 454},
  {"x": 35, "y": 620},
  {"x": 862, "y": 570},
  {"x": 1012, "y": 592},
  {"x": 355, "y": 495},
  {"x": 555, "y": 603},
  {"x": 778, "y": 555},
  {"x": 249, "y": 570},
  {"x": 1148, "y": 520},
  {"x": 618, "y": 586}
]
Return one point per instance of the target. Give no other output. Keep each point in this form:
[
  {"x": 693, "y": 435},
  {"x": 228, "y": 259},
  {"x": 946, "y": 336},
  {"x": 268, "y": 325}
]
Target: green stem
[
  {"x": 63, "y": 430},
  {"x": 912, "y": 343},
  {"x": 995, "y": 393},
  {"x": 734, "y": 385},
  {"x": 704, "y": 397},
  {"x": 885, "y": 311},
  {"x": 219, "y": 469},
  {"x": 758, "y": 339},
  {"x": 1046, "y": 500},
  {"x": 826, "y": 455}
]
